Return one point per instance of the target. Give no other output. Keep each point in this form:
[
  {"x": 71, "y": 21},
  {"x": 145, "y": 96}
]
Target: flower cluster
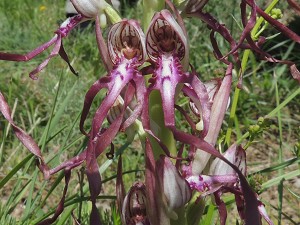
[{"x": 168, "y": 186}]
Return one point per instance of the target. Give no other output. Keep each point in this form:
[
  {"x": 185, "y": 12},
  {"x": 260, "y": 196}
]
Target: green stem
[
  {"x": 235, "y": 99},
  {"x": 273, "y": 112},
  {"x": 245, "y": 58},
  {"x": 280, "y": 156},
  {"x": 261, "y": 19}
]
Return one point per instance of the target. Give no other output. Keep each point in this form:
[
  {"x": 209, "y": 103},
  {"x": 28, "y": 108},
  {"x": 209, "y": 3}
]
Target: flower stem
[{"x": 245, "y": 58}]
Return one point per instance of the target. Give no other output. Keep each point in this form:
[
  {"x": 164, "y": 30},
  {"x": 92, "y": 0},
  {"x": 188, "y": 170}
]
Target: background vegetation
[{"x": 49, "y": 109}]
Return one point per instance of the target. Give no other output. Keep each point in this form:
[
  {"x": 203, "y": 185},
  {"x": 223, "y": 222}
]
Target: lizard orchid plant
[{"x": 171, "y": 178}]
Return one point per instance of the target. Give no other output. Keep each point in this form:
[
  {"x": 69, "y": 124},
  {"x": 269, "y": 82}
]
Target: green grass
[{"x": 49, "y": 109}]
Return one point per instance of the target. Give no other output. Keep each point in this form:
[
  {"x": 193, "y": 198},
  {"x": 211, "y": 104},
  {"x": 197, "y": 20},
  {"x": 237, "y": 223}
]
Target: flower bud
[
  {"x": 174, "y": 188},
  {"x": 134, "y": 206},
  {"x": 236, "y": 155},
  {"x": 89, "y": 8}
]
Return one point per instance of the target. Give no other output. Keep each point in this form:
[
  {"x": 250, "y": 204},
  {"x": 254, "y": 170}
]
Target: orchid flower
[
  {"x": 88, "y": 10},
  {"x": 168, "y": 185},
  {"x": 155, "y": 201},
  {"x": 126, "y": 48},
  {"x": 167, "y": 48},
  {"x": 132, "y": 206},
  {"x": 127, "y": 52},
  {"x": 222, "y": 178}
]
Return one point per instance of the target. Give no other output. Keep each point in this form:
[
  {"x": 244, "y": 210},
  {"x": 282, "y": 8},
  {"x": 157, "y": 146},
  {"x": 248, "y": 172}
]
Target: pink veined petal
[
  {"x": 126, "y": 39},
  {"x": 155, "y": 208},
  {"x": 173, "y": 185},
  {"x": 210, "y": 184},
  {"x": 218, "y": 110},
  {"x": 134, "y": 209},
  {"x": 234, "y": 154}
]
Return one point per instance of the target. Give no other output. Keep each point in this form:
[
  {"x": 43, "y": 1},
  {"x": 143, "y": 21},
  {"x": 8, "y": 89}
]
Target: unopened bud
[
  {"x": 134, "y": 206},
  {"x": 89, "y": 8}
]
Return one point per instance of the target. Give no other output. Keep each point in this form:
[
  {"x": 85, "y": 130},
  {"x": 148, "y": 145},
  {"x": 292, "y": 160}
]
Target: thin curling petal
[
  {"x": 275, "y": 23},
  {"x": 89, "y": 97},
  {"x": 263, "y": 213},
  {"x": 25, "y": 139},
  {"x": 94, "y": 179},
  {"x": 60, "y": 206},
  {"x": 58, "y": 49},
  {"x": 97, "y": 144},
  {"x": 120, "y": 190},
  {"x": 102, "y": 47}
]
